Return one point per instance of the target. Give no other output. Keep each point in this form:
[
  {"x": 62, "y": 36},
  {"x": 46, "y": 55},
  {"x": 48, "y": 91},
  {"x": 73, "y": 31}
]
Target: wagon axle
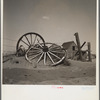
[{"x": 45, "y": 49}]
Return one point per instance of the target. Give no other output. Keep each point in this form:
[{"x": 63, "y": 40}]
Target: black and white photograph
[{"x": 49, "y": 42}]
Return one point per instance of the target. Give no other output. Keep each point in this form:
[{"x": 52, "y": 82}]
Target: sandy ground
[{"x": 16, "y": 70}]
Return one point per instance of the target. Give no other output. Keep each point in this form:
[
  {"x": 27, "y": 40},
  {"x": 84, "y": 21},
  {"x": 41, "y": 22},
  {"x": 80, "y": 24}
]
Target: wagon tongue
[{"x": 45, "y": 49}]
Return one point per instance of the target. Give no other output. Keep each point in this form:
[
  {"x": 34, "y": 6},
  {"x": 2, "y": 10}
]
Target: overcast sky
[{"x": 55, "y": 20}]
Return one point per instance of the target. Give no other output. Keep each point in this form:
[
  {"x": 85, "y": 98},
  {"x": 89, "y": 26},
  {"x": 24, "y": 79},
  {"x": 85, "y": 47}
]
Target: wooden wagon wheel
[
  {"x": 29, "y": 40},
  {"x": 49, "y": 54}
]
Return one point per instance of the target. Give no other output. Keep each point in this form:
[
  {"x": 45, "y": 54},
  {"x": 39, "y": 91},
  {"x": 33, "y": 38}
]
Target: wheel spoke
[
  {"x": 25, "y": 42},
  {"x": 53, "y": 48},
  {"x": 27, "y": 39},
  {"x": 57, "y": 52},
  {"x": 35, "y": 56},
  {"x": 40, "y": 57},
  {"x": 39, "y": 43},
  {"x": 50, "y": 46},
  {"x": 50, "y": 58},
  {"x": 34, "y": 40},
  {"x": 33, "y": 53},
  {"x": 54, "y": 55},
  {"x": 35, "y": 48},
  {"x": 44, "y": 58},
  {"x": 31, "y": 38}
]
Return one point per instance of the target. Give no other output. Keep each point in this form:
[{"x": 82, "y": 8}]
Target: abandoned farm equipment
[{"x": 35, "y": 49}]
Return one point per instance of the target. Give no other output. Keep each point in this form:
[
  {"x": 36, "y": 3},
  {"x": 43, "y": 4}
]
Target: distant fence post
[
  {"x": 78, "y": 44},
  {"x": 89, "y": 51}
]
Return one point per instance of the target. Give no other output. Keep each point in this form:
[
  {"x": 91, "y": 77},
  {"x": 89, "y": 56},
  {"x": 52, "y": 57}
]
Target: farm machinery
[{"x": 35, "y": 49}]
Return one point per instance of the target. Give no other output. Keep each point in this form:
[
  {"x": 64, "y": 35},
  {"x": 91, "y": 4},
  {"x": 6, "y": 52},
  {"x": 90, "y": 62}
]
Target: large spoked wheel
[
  {"x": 48, "y": 54},
  {"x": 29, "y": 40}
]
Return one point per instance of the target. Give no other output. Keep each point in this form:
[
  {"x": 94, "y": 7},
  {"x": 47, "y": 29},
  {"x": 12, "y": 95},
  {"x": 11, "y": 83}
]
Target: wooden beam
[
  {"x": 89, "y": 51},
  {"x": 81, "y": 48},
  {"x": 78, "y": 45},
  {"x": 82, "y": 45}
]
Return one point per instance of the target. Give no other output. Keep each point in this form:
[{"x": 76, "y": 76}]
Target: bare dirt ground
[{"x": 16, "y": 70}]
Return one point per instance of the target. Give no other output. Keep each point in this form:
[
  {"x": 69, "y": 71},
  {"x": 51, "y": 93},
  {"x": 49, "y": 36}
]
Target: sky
[{"x": 55, "y": 20}]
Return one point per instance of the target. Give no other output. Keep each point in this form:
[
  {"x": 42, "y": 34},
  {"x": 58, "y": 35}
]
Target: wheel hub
[{"x": 45, "y": 49}]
